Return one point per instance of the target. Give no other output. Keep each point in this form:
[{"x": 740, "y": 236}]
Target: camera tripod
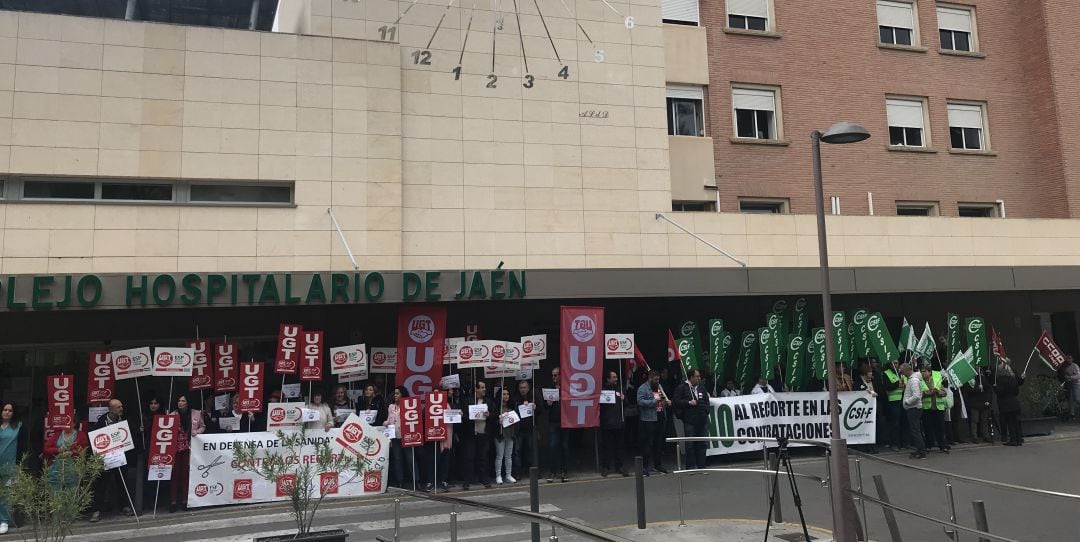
[{"x": 784, "y": 459}]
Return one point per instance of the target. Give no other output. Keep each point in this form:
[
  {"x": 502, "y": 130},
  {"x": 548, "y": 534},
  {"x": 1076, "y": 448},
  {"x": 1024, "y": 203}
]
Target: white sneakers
[
  {"x": 3, "y": 528},
  {"x": 510, "y": 479},
  {"x": 498, "y": 480}
]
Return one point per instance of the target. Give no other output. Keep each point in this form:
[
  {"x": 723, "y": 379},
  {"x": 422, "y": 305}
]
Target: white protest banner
[
  {"x": 450, "y": 349},
  {"x": 114, "y": 459},
  {"x": 284, "y": 416},
  {"x": 383, "y": 360},
  {"x": 509, "y": 418},
  {"x": 310, "y": 415},
  {"x": 214, "y": 481},
  {"x": 477, "y": 412},
  {"x": 802, "y": 416},
  {"x": 131, "y": 363},
  {"x": 533, "y": 351},
  {"x": 291, "y": 391},
  {"x": 112, "y": 438},
  {"x": 550, "y": 394},
  {"x": 341, "y": 413},
  {"x": 348, "y": 359},
  {"x": 474, "y": 354},
  {"x": 607, "y": 396},
  {"x": 450, "y": 381},
  {"x": 362, "y": 440},
  {"x": 525, "y": 410},
  {"x": 452, "y": 415},
  {"x": 619, "y": 345},
  {"x": 345, "y": 378},
  {"x": 173, "y": 361},
  {"x": 229, "y": 423}
]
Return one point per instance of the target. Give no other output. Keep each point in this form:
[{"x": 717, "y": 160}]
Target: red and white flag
[
  {"x": 581, "y": 347},
  {"x": 288, "y": 350},
  {"x": 311, "y": 365},
  {"x": 672, "y": 352},
  {"x": 252, "y": 377},
  {"x": 61, "y": 401},
  {"x": 202, "y": 377},
  {"x": 434, "y": 407},
  {"x": 412, "y": 423},
  {"x": 225, "y": 370},
  {"x": 1051, "y": 355},
  {"x": 163, "y": 439},
  {"x": 101, "y": 387},
  {"x": 421, "y": 330}
]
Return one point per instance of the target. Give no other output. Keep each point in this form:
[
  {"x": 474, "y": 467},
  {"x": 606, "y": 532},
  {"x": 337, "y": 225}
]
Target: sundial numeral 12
[
  {"x": 387, "y": 32},
  {"x": 422, "y": 57}
]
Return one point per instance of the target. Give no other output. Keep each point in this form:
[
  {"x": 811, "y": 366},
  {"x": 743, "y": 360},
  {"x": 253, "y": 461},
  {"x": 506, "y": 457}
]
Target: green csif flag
[
  {"x": 725, "y": 354},
  {"x": 766, "y": 353},
  {"x": 801, "y": 324},
  {"x": 795, "y": 363},
  {"x": 925, "y": 347},
  {"x": 860, "y": 343},
  {"x": 744, "y": 367},
  {"x": 976, "y": 340},
  {"x": 689, "y": 330},
  {"x": 952, "y": 337},
  {"x": 819, "y": 368},
  {"x": 961, "y": 371},
  {"x": 716, "y": 347},
  {"x": 841, "y": 340},
  {"x": 782, "y": 311},
  {"x": 687, "y": 354},
  {"x": 881, "y": 340},
  {"x": 907, "y": 338}
]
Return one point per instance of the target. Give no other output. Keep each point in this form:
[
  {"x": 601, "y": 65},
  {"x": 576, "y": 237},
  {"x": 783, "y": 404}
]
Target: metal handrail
[
  {"x": 891, "y": 506},
  {"x": 819, "y": 479},
  {"x": 533, "y": 517},
  {"x": 746, "y": 439},
  {"x": 979, "y": 481}
]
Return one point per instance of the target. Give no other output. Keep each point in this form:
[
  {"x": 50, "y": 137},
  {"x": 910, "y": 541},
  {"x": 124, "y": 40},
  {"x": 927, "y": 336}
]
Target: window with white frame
[
  {"x": 755, "y": 112},
  {"x": 680, "y": 12},
  {"x": 916, "y": 208},
  {"x": 748, "y": 14},
  {"x": 967, "y": 130},
  {"x": 956, "y": 28},
  {"x": 763, "y": 206},
  {"x": 907, "y": 123},
  {"x": 896, "y": 23},
  {"x": 978, "y": 210},
  {"x": 685, "y": 110}
]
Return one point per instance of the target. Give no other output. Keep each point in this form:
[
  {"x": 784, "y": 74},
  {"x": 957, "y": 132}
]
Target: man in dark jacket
[
  {"x": 476, "y": 438},
  {"x": 611, "y": 428},
  {"x": 110, "y": 492},
  {"x": 558, "y": 443},
  {"x": 692, "y": 400}
]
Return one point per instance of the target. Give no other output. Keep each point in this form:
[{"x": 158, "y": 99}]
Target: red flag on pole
[
  {"x": 288, "y": 351},
  {"x": 638, "y": 361},
  {"x": 163, "y": 446},
  {"x": 996, "y": 346},
  {"x": 61, "y": 402},
  {"x": 202, "y": 377},
  {"x": 672, "y": 352},
  {"x": 101, "y": 385},
  {"x": 581, "y": 341},
  {"x": 1051, "y": 355},
  {"x": 421, "y": 331}
]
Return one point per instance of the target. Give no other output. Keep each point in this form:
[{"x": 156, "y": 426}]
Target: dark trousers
[
  {"x": 178, "y": 486},
  {"x": 897, "y": 424},
  {"x": 1011, "y": 427},
  {"x": 558, "y": 448},
  {"x": 914, "y": 419},
  {"x": 611, "y": 441},
  {"x": 980, "y": 422},
  {"x": 478, "y": 466},
  {"x": 109, "y": 493},
  {"x": 695, "y": 451},
  {"x": 401, "y": 464},
  {"x": 652, "y": 444},
  {"x": 934, "y": 428},
  {"x": 524, "y": 452}
]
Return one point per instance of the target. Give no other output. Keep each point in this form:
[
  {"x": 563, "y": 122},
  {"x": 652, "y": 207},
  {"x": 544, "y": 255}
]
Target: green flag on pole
[
  {"x": 744, "y": 373},
  {"x": 716, "y": 347},
  {"x": 841, "y": 339},
  {"x": 952, "y": 337},
  {"x": 687, "y": 354},
  {"x": 907, "y": 339},
  {"x": 783, "y": 320},
  {"x": 801, "y": 324},
  {"x": 766, "y": 353},
  {"x": 881, "y": 340},
  {"x": 976, "y": 340},
  {"x": 861, "y": 343},
  {"x": 820, "y": 369},
  {"x": 961, "y": 371},
  {"x": 726, "y": 354},
  {"x": 794, "y": 364},
  {"x": 926, "y": 346}
]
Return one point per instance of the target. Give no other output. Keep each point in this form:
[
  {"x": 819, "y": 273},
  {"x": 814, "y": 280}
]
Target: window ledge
[
  {"x": 973, "y": 152},
  {"x": 758, "y": 33},
  {"x": 969, "y": 54},
  {"x": 145, "y": 203},
  {"x": 901, "y": 148},
  {"x": 766, "y": 142},
  {"x": 908, "y": 48}
]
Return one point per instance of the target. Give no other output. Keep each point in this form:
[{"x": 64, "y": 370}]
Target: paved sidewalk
[{"x": 721, "y": 530}]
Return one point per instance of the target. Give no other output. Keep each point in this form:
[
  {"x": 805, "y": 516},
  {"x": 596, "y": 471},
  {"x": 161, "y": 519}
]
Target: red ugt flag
[
  {"x": 581, "y": 343},
  {"x": 163, "y": 439},
  {"x": 421, "y": 330},
  {"x": 412, "y": 424},
  {"x": 61, "y": 402},
  {"x": 101, "y": 387},
  {"x": 288, "y": 351},
  {"x": 311, "y": 356},
  {"x": 202, "y": 377},
  {"x": 251, "y": 386},
  {"x": 435, "y": 405},
  {"x": 225, "y": 369}
]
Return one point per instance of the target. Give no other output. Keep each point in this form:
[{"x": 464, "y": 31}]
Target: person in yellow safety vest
[
  {"x": 894, "y": 387},
  {"x": 933, "y": 404}
]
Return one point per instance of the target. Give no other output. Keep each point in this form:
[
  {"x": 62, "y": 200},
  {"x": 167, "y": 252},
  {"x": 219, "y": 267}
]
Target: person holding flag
[
  {"x": 895, "y": 382},
  {"x": 611, "y": 428},
  {"x": 912, "y": 402},
  {"x": 1008, "y": 392},
  {"x": 692, "y": 400},
  {"x": 652, "y": 409},
  {"x": 933, "y": 405}
]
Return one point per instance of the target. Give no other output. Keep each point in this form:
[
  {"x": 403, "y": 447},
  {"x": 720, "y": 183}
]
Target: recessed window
[
  {"x": 763, "y": 206},
  {"x": 680, "y": 12},
  {"x": 896, "y": 23},
  {"x": 136, "y": 192},
  {"x": 3, "y": 186},
  {"x": 906, "y": 122},
  {"x": 956, "y": 28},
  {"x": 978, "y": 210},
  {"x": 755, "y": 112},
  {"x": 57, "y": 190},
  {"x": 966, "y": 126},
  {"x": 748, "y": 14},
  {"x": 685, "y": 110},
  {"x": 916, "y": 208},
  {"x": 690, "y": 206},
  {"x": 240, "y": 193}
]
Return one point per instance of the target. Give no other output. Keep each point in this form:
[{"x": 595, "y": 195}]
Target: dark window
[
  {"x": 685, "y": 23},
  {"x": 140, "y": 192},
  {"x": 754, "y": 124},
  {"x": 744, "y": 121},
  {"x": 58, "y": 190},
  {"x": 913, "y": 210},
  {"x": 747, "y": 23},
  {"x": 955, "y": 40},
  {"x": 2, "y": 185},
  {"x": 894, "y": 35},
  {"x": 976, "y": 211},
  {"x": 239, "y": 193},
  {"x": 685, "y": 117},
  {"x": 965, "y": 138},
  {"x": 761, "y": 207},
  {"x": 905, "y": 137},
  {"x": 698, "y": 206}
]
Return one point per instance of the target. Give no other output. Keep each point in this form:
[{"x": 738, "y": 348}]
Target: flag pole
[{"x": 1032, "y": 354}]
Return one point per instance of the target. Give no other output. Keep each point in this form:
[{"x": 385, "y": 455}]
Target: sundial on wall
[{"x": 497, "y": 42}]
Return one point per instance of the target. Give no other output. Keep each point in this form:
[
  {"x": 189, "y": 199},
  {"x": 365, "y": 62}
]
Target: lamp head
[{"x": 845, "y": 132}]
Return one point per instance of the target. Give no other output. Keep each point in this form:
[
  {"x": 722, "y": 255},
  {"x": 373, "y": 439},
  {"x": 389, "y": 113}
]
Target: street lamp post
[{"x": 839, "y": 133}]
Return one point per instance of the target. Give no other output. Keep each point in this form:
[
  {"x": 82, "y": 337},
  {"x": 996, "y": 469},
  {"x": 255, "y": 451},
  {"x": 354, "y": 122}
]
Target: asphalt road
[{"x": 1048, "y": 463}]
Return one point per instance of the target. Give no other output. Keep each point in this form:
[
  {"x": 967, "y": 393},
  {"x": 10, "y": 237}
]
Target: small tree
[
  {"x": 304, "y": 482},
  {"x": 53, "y": 499}
]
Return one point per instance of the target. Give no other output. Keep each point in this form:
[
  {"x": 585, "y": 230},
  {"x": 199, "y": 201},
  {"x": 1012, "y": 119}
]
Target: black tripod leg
[
  {"x": 772, "y": 499},
  {"x": 797, "y": 497}
]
